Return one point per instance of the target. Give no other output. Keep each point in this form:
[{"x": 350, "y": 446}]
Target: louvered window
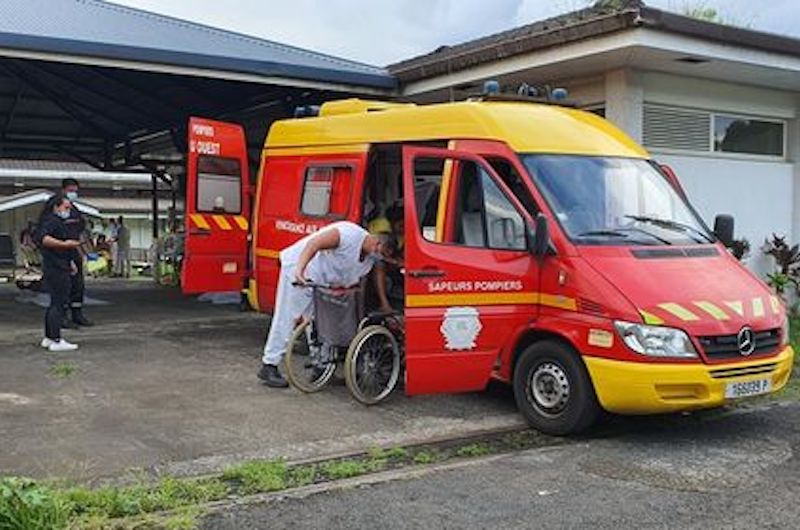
[{"x": 676, "y": 128}]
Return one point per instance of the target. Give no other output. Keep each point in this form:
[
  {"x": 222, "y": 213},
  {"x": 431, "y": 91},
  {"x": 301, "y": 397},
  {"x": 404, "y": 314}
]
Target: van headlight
[{"x": 655, "y": 341}]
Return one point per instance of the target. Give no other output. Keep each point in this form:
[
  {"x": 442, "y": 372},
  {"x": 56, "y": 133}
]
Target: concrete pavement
[
  {"x": 704, "y": 471},
  {"x": 167, "y": 384}
]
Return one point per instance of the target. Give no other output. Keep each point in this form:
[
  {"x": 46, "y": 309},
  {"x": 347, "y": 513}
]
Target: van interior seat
[{"x": 473, "y": 233}]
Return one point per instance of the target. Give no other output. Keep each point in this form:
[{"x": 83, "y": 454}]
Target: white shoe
[
  {"x": 46, "y": 343},
  {"x": 62, "y": 345}
]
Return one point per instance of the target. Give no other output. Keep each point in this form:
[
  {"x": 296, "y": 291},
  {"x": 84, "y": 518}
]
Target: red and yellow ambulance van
[{"x": 543, "y": 248}]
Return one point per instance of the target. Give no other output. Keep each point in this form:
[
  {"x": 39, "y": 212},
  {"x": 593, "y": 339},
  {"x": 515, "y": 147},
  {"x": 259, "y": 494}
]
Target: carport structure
[{"x": 113, "y": 87}]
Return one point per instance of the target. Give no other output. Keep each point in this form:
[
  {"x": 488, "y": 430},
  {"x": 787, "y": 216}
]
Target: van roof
[{"x": 525, "y": 127}]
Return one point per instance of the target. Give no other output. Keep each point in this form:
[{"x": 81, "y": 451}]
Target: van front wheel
[{"x": 553, "y": 390}]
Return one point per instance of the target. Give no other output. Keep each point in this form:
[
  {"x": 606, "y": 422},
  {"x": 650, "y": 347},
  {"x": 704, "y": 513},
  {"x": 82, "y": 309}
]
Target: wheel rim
[
  {"x": 548, "y": 388},
  {"x": 309, "y": 365},
  {"x": 375, "y": 366}
]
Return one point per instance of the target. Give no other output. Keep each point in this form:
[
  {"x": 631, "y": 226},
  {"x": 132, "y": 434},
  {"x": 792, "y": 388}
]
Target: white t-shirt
[{"x": 340, "y": 266}]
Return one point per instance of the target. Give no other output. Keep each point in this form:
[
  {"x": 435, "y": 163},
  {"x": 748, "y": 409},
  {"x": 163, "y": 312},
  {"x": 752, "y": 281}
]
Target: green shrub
[{"x": 25, "y": 505}]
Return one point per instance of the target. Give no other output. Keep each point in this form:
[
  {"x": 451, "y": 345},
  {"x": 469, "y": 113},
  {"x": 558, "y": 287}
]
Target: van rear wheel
[{"x": 553, "y": 390}]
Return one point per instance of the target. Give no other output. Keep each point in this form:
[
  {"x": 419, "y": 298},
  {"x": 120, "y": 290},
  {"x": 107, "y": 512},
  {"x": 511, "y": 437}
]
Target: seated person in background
[{"x": 389, "y": 271}]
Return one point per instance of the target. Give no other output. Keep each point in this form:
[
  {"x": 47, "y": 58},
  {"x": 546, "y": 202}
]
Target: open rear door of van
[{"x": 218, "y": 206}]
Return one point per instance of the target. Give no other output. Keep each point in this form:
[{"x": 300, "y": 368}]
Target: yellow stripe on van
[
  {"x": 242, "y": 222},
  {"x": 650, "y": 318},
  {"x": 737, "y": 306},
  {"x": 447, "y": 300},
  {"x": 559, "y": 301},
  {"x": 268, "y": 253},
  {"x": 222, "y": 222},
  {"x": 712, "y": 310},
  {"x": 679, "y": 311},
  {"x": 200, "y": 221},
  {"x": 776, "y": 305},
  {"x": 758, "y": 307}
]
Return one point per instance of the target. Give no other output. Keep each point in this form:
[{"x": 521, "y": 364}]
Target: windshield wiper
[
  {"x": 672, "y": 225},
  {"x": 623, "y": 233}
]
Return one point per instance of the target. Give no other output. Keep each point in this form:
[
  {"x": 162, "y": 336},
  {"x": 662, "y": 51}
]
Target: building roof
[
  {"x": 594, "y": 21},
  {"x": 520, "y": 125},
  {"x": 94, "y": 28},
  {"x": 30, "y": 197}
]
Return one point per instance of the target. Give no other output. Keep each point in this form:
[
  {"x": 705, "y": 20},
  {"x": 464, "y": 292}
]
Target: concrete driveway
[{"x": 166, "y": 383}]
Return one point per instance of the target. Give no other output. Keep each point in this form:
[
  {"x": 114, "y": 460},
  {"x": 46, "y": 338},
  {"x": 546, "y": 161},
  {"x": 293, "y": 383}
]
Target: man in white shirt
[{"x": 338, "y": 255}]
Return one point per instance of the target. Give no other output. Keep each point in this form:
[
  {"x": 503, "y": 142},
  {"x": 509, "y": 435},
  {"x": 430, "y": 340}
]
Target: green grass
[
  {"x": 472, "y": 450},
  {"x": 176, "y": 503},
  {"x": 62, "y": 369},
  {"x": 168, "y": 494},
  {"x": 259, "y": 476},
  {"x": 26, "y": 505},
  {"x": 424, "y": 457}
]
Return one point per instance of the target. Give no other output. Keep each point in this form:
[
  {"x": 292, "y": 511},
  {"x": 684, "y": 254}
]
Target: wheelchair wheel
[
  {"x": 307, "y": 364},
  {"x": 372, "y": 365}
]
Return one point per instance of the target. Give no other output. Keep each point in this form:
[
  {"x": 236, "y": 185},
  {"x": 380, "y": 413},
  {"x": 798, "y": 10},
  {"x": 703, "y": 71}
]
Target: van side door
[
  {"x": 217, "y": 213},
  {"x": 471, "y": 281}
]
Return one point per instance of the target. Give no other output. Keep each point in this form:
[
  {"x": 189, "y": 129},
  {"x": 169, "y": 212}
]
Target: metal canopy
[{"x": 113, "y": 86}]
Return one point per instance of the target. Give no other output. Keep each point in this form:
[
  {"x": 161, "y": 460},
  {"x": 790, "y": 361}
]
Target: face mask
[
  {"x": 72, "y": 195},
  {"x": 64, "y": 214}
]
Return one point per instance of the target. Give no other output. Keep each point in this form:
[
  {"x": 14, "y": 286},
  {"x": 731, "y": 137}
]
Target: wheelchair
[{"x": 369, "y": 348}]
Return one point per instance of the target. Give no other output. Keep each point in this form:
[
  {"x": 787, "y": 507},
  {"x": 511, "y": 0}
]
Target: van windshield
[{"x": 614, "y": 201}]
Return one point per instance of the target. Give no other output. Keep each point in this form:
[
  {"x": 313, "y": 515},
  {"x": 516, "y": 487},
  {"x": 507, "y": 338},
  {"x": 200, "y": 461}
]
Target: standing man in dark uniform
[{"x": 75, "y": 226}]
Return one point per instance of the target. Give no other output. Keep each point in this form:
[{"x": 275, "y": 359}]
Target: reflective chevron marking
[
  {"x": 650, "y": 318},
  {"x": 737, "y": 306},
  {"x": 200, "y": 221},
  {"x": 712, "y": 310},
  {"x": 679, "y": 311},
  {"x": 222, "y": 222},
  {"x": 758, "y": 307}
]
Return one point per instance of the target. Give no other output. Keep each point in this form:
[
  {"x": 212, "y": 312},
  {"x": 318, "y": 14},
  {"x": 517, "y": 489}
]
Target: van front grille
[
  {"x": 727, "y": 346},
  {"x": 743, "y": 371}
]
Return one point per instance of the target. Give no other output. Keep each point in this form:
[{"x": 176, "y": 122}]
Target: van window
[
  {"x": 219, "y": 185},
  {"x": 326, "y": 192},
  {"x": 476, "y": 212}
]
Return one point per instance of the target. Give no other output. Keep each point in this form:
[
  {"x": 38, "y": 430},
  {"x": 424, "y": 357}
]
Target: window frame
[
  {"x": 327, "y": 165},
  {"x": 449, "y": 201},
  {"x": 761, "y": 156},
  {"x": 197, "y": 186}
]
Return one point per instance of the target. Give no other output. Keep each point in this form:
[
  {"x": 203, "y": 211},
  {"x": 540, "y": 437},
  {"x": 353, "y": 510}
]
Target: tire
[
  {"x": 553, "y": 390},
  {"x": 299, "y": 363},
  {"x": 372, "y": 365}
]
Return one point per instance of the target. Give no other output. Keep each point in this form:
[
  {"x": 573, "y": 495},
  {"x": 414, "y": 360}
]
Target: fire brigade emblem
[{"x": 460, "y": 328}]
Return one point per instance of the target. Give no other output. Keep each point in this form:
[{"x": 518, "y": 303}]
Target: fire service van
[{"x": 542, "y": 247}]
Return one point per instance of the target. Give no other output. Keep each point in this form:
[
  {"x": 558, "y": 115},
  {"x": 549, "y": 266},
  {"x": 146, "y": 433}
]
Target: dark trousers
[
  {"x": 76, "y": 289},
  {"x": 57, "y": 282}
]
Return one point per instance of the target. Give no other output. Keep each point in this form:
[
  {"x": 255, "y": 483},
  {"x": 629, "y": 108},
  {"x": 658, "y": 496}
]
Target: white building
[{"x": 718, "y": 104}]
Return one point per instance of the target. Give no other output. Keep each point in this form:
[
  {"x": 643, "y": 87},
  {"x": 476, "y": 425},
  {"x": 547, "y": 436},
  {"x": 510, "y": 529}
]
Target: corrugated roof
[{"x": 103, "y": 29}]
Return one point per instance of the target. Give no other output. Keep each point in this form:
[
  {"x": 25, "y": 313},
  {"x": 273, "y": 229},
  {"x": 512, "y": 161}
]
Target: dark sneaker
[
  {"x": 272, "y": 377},
  {"x": 68, "y": 324},
  {"x": 81, "y": 320}
]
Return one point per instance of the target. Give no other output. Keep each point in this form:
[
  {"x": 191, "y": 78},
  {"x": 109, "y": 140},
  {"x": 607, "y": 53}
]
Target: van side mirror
[
  {"x": 723, "y": 229},
  {"x": 541, "y": 237}
]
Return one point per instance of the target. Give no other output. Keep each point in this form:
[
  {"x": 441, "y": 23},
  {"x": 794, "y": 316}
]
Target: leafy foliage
[{"x": 25, "y": 505}]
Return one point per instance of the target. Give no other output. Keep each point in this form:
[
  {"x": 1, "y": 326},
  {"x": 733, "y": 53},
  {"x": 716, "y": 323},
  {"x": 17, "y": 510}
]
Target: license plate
[{"x": 747, "y": 388}]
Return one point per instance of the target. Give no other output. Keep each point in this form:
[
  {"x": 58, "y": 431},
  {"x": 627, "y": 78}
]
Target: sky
[{"x": 380, "y": 32}]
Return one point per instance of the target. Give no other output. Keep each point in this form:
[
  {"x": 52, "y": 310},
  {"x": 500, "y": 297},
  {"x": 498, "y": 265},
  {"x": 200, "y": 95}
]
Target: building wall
[
  {"x": 758, "y": 194},
  {"x": 758, "y": 191}
]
